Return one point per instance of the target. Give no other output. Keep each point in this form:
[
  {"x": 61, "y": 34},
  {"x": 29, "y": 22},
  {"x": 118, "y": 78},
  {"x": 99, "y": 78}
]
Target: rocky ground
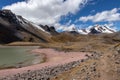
[{"x": 104, "y": 65}]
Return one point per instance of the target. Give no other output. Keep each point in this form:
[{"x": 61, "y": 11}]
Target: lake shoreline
[
  {"x": 53, "y": 58},
  {"x": 34, "y": 59}
]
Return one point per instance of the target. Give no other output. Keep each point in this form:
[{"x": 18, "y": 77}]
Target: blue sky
[
  {"x": 8, "y": 2},
  {"x": 79, "y": 17},
  {"x": 92, "y": 8}
]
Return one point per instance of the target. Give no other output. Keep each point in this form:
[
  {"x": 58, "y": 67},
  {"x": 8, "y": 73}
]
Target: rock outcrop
[{"x": 50, "y": 29}]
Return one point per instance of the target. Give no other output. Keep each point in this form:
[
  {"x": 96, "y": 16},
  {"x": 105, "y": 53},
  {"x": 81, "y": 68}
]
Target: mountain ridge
[
  {"x": 16, "y": 28},
  {"x": 20, "y": 29},
  {"x": 95, "y": 29}
]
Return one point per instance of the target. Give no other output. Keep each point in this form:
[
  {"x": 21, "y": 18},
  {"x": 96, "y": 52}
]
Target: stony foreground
[{"x": 101, "y": 65}]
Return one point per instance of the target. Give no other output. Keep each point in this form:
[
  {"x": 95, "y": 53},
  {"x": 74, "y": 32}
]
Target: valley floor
[{"x": 103, "y": 63}]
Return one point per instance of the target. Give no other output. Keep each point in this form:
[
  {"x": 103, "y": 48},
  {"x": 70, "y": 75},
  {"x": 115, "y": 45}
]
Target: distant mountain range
[
  {"x": 16, "y": 28},
  {"x": 96, "y": 29}
]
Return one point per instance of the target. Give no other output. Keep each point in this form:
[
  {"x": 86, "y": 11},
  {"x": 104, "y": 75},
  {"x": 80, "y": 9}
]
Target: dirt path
[
  {"x": 104, "y": 66},
  {"x": 54, "y": 58},
  {"x": 109, "y": 69}
]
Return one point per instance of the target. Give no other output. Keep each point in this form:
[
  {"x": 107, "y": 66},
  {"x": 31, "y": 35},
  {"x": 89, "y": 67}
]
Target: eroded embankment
[{"x": 57, "y": 62}]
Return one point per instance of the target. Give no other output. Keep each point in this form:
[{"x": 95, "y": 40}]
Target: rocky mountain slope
[
  {"x": 16, "y": 28},
  {"x": 50, "y": 29}
]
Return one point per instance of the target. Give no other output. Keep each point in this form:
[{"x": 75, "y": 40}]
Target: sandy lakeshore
[{"x": 53, "y": 58}]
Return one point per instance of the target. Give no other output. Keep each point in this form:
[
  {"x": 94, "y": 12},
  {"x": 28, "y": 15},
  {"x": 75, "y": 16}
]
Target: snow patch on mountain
[
  {"x": 39, "y": 27},
  {"x": 94, "y": 29},
  {"x": 25, "y": 22}
]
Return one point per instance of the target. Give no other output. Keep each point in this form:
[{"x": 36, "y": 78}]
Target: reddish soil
[{"x": 53, "y": 58}]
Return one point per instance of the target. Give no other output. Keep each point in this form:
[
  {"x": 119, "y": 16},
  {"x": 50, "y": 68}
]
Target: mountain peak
[
  {"x": 96, "y": 29},
  {"x": 9, "y": 16},
  {"x": 5, "y": 11},
  {"x": 101, "y": 29}
]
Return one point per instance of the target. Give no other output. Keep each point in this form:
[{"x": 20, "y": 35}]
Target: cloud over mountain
[
  {"x": 108, "y": 16},
  {"x": 46, "y": 11}
]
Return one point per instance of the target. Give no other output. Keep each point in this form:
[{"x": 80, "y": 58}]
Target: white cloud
[
  {"x": 69, "y": 22},
  {"x": 66, "y": 27},
  {"x": 112, "y": 26},
  {"x": 109, "y": 16},
  {"x": 92, "y": 11},
  {"x": 46, "y": 11}
]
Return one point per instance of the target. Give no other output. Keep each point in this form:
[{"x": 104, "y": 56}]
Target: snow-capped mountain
[
  {"x": 17, "y": 28},
  {"x": 96, "y": 29}
]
